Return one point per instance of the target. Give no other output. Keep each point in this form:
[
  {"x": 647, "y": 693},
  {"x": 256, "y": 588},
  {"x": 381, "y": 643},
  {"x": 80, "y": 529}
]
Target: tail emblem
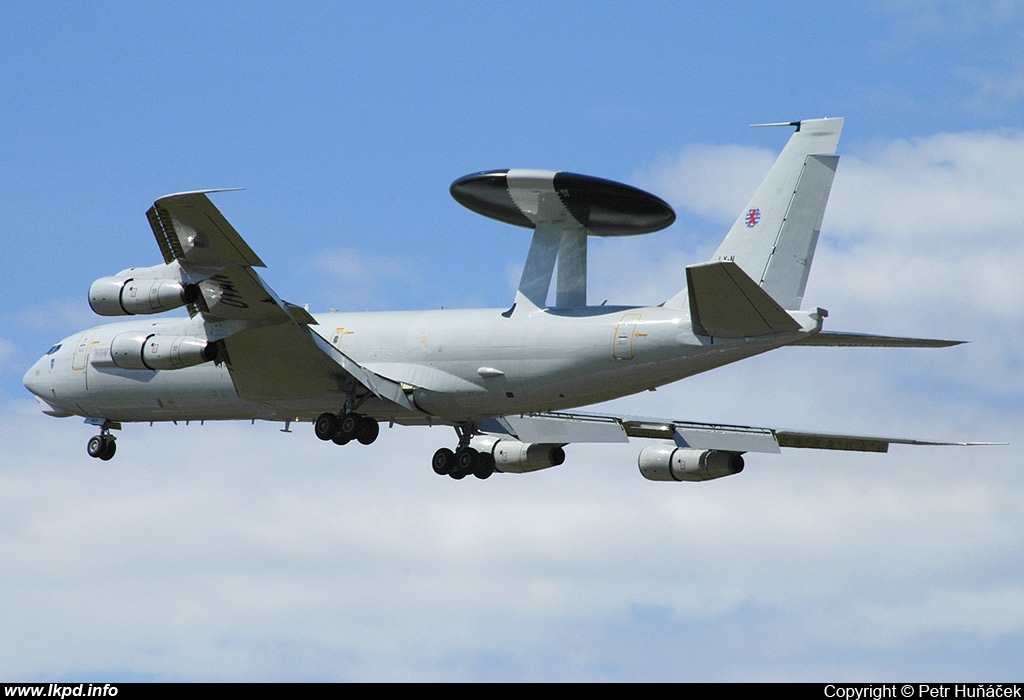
[{"x": 753, "y": 216}]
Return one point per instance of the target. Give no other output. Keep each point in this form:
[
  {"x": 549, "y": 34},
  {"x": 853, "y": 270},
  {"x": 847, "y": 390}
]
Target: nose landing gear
[{"x": 104, "y": 445}]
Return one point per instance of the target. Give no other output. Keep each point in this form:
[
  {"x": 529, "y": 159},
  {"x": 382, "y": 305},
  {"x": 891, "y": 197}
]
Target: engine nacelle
[
  {"x": 671, "y": 463},
  {"x": 516, "y": 457},
  {"x": 141, "y": 351},
  {"x": 148, "y": 290}
]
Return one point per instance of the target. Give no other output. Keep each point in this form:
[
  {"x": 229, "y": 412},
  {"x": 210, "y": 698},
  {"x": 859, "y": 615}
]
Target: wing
[
  {"x": 564, "y": 427},
  {"x": 271, "y": 352},
  {"x": 191, "y": 231}
]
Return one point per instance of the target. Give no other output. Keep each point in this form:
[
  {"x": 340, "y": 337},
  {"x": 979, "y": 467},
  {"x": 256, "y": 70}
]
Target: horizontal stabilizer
[
  {"x": 861, "y": 340},
  {"x": 726, "y": 303}
]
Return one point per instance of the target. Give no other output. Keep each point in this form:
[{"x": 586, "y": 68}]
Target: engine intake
[
  {"x": 148, "y": 290},
  {"x": 517, "y": 457},
  {"x": 671, "y": 463}
]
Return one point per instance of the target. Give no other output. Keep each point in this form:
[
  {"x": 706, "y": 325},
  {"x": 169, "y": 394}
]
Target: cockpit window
[{"x": 54, "y": 349}]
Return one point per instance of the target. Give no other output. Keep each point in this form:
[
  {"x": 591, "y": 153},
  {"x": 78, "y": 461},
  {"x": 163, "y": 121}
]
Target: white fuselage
[{"x": 457, "y": 365}]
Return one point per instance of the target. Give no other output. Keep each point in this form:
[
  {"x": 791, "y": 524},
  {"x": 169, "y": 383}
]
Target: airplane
[{"x": 510, "y": 380}]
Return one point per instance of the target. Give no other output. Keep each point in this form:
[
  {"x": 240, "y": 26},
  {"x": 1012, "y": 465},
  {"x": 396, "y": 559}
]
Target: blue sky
[{"x": 237, "y": 552}]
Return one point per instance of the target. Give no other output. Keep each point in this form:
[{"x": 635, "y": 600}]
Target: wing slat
[{"x": 163, "y": 230}]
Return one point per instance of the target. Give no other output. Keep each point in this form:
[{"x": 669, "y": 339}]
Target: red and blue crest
[{"x": 753, "y": 216}]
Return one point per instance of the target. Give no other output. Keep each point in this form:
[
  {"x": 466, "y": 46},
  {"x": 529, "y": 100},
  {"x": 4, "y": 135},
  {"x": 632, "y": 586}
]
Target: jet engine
[
  {"x": 141, "y": 351},
  {"x": 516, "y": 457},
  {"x": 671, "y": 463},
  {"x": 147, "y": 290}
]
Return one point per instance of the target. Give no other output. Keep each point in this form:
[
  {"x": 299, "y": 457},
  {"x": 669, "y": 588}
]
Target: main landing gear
[
  {"x": 464, "y": 460},
  {"x": 342, "y": 429}
]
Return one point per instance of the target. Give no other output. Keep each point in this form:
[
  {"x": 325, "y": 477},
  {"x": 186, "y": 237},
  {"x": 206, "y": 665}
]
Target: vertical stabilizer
[{"x": 774, "y": 238}]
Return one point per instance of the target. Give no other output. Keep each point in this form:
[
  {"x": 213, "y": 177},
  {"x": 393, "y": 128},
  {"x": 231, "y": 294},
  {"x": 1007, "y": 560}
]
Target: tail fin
[{"x": 773, "y": 240}]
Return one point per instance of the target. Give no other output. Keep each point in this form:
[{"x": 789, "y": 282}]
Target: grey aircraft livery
[{"x": 508, "y": 380}]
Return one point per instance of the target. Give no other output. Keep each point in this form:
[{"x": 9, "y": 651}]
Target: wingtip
[
  {"x": 192, "y": 192},
  {"x": 767, "y": 124}
]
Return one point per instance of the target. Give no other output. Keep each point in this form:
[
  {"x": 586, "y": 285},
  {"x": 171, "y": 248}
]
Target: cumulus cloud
[
  {"x": 711, "y": 181},
  {"x": 356, "y": 280},
  {"x": 924, "y": 190},
  {"x": 278, "y": 556},
  {"x": 6, "y": 350}
]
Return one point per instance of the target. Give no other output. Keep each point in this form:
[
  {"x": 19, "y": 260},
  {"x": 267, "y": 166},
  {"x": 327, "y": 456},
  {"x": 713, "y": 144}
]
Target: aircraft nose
[
  {"x": 39, "y": 381},
  {"x": 34, "y": 378}
]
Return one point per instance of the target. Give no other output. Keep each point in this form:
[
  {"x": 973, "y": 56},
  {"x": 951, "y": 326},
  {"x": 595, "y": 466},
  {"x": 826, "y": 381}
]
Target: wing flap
[
  {"x": 846, "y": 443},
  {"x": 554, "y": 428},
  {"x": 729, "y": 439},
  {"x": 273, "y": 363},
  {"x": 278, "y": 362},
  {"x": 238, "y": 293},
  {"x": 379, "y": 386}
]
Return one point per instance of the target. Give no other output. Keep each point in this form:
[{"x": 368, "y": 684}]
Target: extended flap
[{"x": 555, "y": 428}]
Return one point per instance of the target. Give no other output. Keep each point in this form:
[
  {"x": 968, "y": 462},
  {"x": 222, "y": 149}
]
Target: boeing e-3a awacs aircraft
[{"x": 503, "y": 378}]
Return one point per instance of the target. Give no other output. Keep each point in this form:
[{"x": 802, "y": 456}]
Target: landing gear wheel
[
  {"x": 102, "y": 447},
  {"x": 467, "y": 459},
  {"x": 485, "y": 466},
  {"x": 444, "y": 460},
  {"x": 367, "y": 430},
  {"x": 96, "y": 447},
  {"x": 340, "y": 439},
  {"x": 326, "y": 426},
  {"x": 348, "y": 426}
]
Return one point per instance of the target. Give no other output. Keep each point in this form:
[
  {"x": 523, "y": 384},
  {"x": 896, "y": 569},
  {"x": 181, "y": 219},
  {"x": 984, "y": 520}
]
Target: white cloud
[
  {"x": 6, "y": 351},
  {"x": 254, "y": 554},
  {"x": 987, "y": 79},
  {"x": 711, "y": 181},
  {"x": 70, "y": 313},
  {"x": 948, "y": 17},
  {"x": 944, "y": 190},
  {"x": 355, "y": 280}
]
